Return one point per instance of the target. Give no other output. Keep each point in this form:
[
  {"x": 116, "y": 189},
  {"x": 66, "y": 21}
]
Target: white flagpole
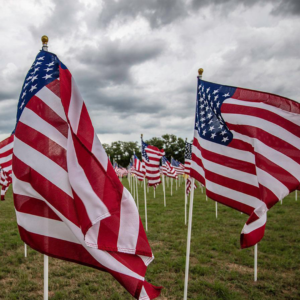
[
  {"x": 154, "y": 192},
  {"x": 137, "y": 193},
  {"x": 296, "y": 196},
  {"x": 145, "y": 198},
  {"x": 188, "y": 245},
  {"x": 179, "y": 178},
  {"x": 25, "y": 250},
  {"x": 134, "y": 189},
  {"x": 255, "y": 262},
  {"x": 201, "y": 188},
  {"x": 168, "y": 182},
  {"x": 164, "y": 189},
  {"x": 171, "y": 186},
  {"x": 216, "y": 209},
  {"x": 185, "y": 202},
  {"x": 46, "y": 276},
  {"x": 176, "y": 183}
]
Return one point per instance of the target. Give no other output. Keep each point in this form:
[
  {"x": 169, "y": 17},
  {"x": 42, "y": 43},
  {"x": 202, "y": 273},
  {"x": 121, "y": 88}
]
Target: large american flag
[
  {"x": 138, "y": 168},
  {"x": 167, "y": 168},
  {"x": 151, "y": 157},
  {"x": 69, "y": 201},
  {"x": 246, "y": 151},
  {"x": 178, "y": 166},
  {"x": 187, "y": 158}
]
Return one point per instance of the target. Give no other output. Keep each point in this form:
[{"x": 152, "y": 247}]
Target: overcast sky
[{"x": 136, "y": 61}]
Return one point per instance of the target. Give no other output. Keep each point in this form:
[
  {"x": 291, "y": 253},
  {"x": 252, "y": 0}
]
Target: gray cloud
[{"x": 157, "y": 12}]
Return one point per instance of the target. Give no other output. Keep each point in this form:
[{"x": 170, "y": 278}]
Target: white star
[
  {"x": 25, "y": 85},
  {"x": 202, "y": 119},
  {"x": 202, "y": 89},
  {"x": 225, "y": 139},
  {"x": 199, "y": 87},
  {"x": 41, "y": 58},
  {"x": 216, "y": 97},
  {"x": 215, "y": 91},
  {"x": 201, "y": 99},
  {"x": 206, "y": 108},
  {"x": 22, "y": 104},
  {"x": 226, "y": 95},
  {"x": 34, "y": 78},
  {"x": 218, "y": 104},
  {"x": 213, "y": 135},
  {"x": 201, "y": 106},
  {"x": 223, "y": 132},
  {"x": 211, "y": 128},
  {"x": 23, "y": 95},
  {"x": 202, "y": 113},
  {"x": 48, "y": 69},
  {"x": 209, "y": 115},
  {"x": 207, "y": 90},
  {"x": 29, "y": 78},
  {"x": 202, "y": 125},
  {"x": 221, "y": 126},
  {"x": 215, "y": 111},
  {"x": 209, "y": 97},
  {"x": 204, "y": 132},
  {"x": 210, "y": 121},
  {"x": 47, "y": 76},
  {"x": 51, "y": 64},
  {"x": 33, "y": 87},
  {"x": 36, "y": 69},
  {"x": 38, "y": 63}
]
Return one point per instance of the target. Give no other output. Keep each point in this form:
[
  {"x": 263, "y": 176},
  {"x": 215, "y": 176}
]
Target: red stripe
[
  {"x": 46, "y": 189},
  {"x": 268, "y": 139},
  {"x": 47, "y": 114},
  {"x": 252, "y": 238},
  {"x": 65, "y": 88},
  {"x": 263, "y": 114},
  {"x": 34, "y": 206},
  {"x": 54, "y": 86},
  {"x": 6, "y": 164},
  {"x": 7, "y": 141},
  {"x": 6, "y": 153},
  {"x": 43, "y": 144}
]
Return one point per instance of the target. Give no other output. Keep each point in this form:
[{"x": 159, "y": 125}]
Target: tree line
[{"x": 122, "y": 152}]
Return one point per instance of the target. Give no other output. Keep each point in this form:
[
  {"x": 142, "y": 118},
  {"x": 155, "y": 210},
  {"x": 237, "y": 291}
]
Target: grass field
[{"x": 219, "y": 269}]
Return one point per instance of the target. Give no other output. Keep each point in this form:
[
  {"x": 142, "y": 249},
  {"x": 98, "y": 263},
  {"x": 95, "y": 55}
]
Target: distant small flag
[
  {"x": 187, "y": 158},
  {"x": 189, "y": 185},
  {"x": 6, "y": 153},
  {"x": 151, "y": 158},
  {"x": 138, "y": 168},
  {"x": 168, "y": 169},
  {"x": 178, "y": 166}
]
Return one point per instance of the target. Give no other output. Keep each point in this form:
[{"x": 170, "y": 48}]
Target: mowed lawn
[{"x": 219, "y": 269}]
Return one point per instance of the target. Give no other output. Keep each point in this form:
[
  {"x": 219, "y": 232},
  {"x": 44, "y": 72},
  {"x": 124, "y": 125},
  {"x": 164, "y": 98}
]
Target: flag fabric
[
  {"x": 69, "y": 201},
  {"x": 187, "y": 158},
  {"x": 189, "y": 185},
  {"x": 138, "y": 168},
  {"x": 246, "y": 151},
  {"x": 151, "y": 157},
  {"x": 5, "y": 181},
  {"x": 168, "y": 169},
  {"x": 179, "y": 167},
  {"x": 6, "y": 152}
]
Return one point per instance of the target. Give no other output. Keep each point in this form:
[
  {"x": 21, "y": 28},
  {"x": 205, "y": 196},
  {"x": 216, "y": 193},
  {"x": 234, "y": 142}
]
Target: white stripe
[
  {"x": 99, "y": 152},
  {"x": 129, "y": 224},
  {"x": 265, "y": 125},
  {"x": 103, "y": 257},
  {"x": 94, "y": 206},
  {"x": 226, "y": 171},
  {"x": 198, "y": 169},
  {"x": 233, "y": 194},
  {"x": 32, "y": 120},
  {"x": 5, "y": 159},
  {"x": 143, "y": 294},
  {"x": 44, "y": 226},
  {"x": 271, "y": 154},
  {"x": 225, "y": 150},
  {"x": 270, "y": 182},
  {"x": 292, "y": 117},
  {"x": 7, "y": 147},
  {"x": 75, "y": 107},
  {"x": 43, "y": 165},
  {"x": 248, "y": 228},
  {"x": 54, "y": 102}
]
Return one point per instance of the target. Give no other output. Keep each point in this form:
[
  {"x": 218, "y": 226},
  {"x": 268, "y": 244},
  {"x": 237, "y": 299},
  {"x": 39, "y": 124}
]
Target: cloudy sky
[{"x": 136, "y": 61}]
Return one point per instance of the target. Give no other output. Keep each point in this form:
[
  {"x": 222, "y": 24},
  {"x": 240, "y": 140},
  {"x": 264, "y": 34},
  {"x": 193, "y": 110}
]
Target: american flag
[
  {"x": 151, "y": 157},
  {"x": 69, "y": 201},
  {"x": 189, "y": 186},
  {"x": 5, "y": 181},
  {"x": 179, "y": 167},
  {"x": 168, "y": 169},
  {"x": 138, "y": 168},
  {"x": 6, "y": 152},
  {"x": 187, "y": 158},
  {"x": 246, "y": 151}
]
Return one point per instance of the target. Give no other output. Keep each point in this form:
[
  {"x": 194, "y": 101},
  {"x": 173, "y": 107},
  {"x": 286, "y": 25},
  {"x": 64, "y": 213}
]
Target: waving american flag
[
  {"x": 69, "y": 201},
  {"x": 178, "y": 166},
  {"x": 187, "y": 158},
  {"x": 246, "y": 150},
  {"x": 168, "y": 169},
  {"x": 138, "y": 168}
]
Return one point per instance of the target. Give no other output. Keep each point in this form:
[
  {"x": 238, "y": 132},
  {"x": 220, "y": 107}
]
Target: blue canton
[
  {"x": 44, "y": 70},
  {"x": 144, "y": 154},
  {"x": 209, "y": 121},
  {"x": 164, "y": 160},
  {"x": 174, "y": 162}
]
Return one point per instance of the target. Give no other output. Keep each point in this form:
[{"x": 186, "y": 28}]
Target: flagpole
[
  {"x": 176, "y": 182},
  {"x": 216, "y": 209},
  {"x": 164, "y": 189},
  {"x": 171, "y": 186},
  {"x": 185, "y": 201},
  {"x": 154, "y": 192},
  {"x": 188, "y": 245},
  {"x": 255, "y": 262},
  {"x": 296, "y": 196},
  {"x": 25, "y": 249},
  {"x": 145, "y": 197},
  {"x": 137, "y": 193},
  {"x": 46, "y": 260}
]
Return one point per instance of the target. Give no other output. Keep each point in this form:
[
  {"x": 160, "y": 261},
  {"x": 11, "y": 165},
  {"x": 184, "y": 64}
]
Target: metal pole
[
  {"x": 145, "y": 198},
  {"x": 185, "y": 201},
  {"x": 255, "y": 262},
  {"x": 46, "y": 274}
]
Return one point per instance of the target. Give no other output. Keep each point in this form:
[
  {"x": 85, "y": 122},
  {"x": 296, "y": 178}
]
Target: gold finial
[
  {"x": 200, "y": 71},
  {"x": 44, "y": 39}
]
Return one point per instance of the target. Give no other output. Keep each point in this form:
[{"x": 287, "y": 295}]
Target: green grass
[{"x": 219, "y": 269}]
